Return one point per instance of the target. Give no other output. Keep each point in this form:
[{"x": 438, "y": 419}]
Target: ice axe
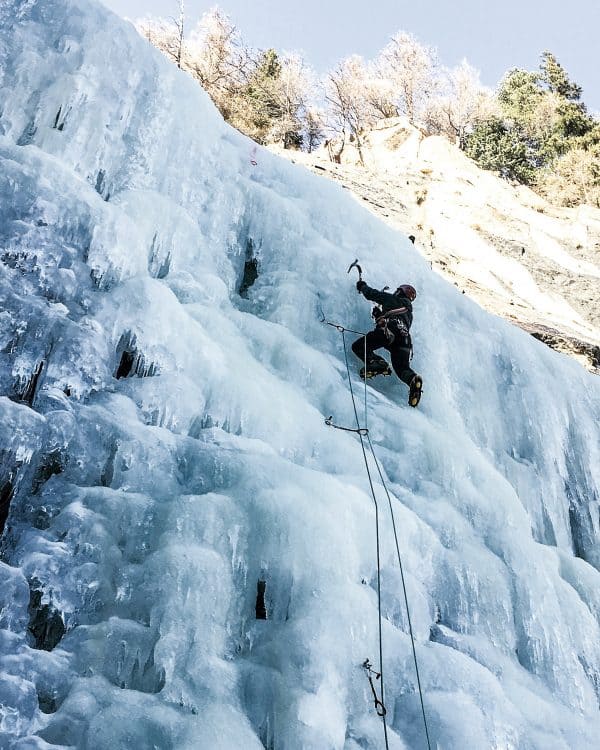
[{"x": 356, "y": 265}]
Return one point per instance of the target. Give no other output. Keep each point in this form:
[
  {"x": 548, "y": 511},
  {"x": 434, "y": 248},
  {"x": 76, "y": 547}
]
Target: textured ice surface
[{"x": 163, "y": 446}]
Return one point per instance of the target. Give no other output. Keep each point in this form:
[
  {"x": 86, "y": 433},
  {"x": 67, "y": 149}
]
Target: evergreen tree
[
  {"x": 275, "y": 100},
  {"x": 574, "y": 120},
  {"x": 554, "y": 76},
  {"x": 512, "y": 144},
  {"x": 498, "y": 147},
  {"x": 536, "y": 130},
  {"x": 520, "y": 95},
  {"x": 542, "y": 120},
  {"x": 259, "y": 105},
  {"x": 261, "y": 88}
]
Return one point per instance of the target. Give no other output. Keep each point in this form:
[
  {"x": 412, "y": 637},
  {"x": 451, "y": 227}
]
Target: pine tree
[
  {"x": 498, "y": 147},
  {"x": 554, "y": 76},
  {"x": 260, "y": 105},
  {"x": 542, "y": 120},
  {"x": 275, "y": 100},
  {"x": 520, "y": 95},
  {"x": 261, "y": 87}
]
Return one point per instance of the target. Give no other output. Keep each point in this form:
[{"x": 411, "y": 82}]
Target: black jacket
[{"x": 388, "y": 301}]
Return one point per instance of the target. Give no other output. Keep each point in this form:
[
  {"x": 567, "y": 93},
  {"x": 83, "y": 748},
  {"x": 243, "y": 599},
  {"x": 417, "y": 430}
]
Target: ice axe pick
[{"x": 358, "y": 268}]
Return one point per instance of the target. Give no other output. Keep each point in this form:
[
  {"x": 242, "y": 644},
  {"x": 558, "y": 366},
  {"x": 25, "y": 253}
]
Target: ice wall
[{"x": 164, "y": 458}]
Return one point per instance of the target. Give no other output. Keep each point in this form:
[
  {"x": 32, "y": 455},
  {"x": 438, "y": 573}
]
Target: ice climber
[{"x": 393, "y": 318}]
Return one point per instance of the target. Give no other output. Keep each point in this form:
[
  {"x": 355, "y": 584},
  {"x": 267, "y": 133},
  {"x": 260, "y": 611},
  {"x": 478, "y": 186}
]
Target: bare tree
[
  {"x": 348, "y": 108},
  {"x": 379, "y": 91},
  {"x": 293, "y": 90},
  {"x": 179, "y": 25},
  {"x": 412, "y": 71},
  {"x": 166, "y": 34},
  {"x": 162, "y": 34},
  {"x": 573, "y": 179},
  {"x": 220, "y": 58},
  {"x": 464, "y": 103},
  {"x": 314, "y": 128}
]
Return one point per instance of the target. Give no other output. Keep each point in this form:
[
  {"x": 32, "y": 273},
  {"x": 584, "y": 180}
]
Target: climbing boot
[
  {"x": 375, "y": 366},
  {"x": 416, "y": 386}
]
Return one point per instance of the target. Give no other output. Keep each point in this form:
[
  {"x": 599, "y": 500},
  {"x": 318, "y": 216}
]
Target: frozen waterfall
[{"x": 188, "y": 557}]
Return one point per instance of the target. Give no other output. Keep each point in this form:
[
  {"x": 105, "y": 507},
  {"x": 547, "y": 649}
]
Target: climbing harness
[
  {"x": 363, "y": 434},
  {"x": 368, "y": 667},
  {"x": 394, "y": 317}
]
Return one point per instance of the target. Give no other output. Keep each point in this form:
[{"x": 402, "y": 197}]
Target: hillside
[
  {"x": 507, "y": 248},
  {"x": 191, "y": 555}
]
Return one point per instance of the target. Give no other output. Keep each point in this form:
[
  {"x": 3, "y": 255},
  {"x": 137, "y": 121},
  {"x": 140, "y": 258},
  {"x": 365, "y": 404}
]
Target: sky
[{"x": 493, "y": 37}]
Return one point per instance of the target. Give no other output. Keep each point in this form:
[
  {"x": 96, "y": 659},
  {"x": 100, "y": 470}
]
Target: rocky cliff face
[{"x": 518, "y": 256}]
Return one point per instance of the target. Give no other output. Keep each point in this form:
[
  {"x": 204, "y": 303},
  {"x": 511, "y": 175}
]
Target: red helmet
[{"x": 408, "y": 291}]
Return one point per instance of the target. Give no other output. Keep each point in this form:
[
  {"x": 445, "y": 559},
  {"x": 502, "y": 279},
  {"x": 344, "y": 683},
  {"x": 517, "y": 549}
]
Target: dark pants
[{"x": 399, "y": 349}]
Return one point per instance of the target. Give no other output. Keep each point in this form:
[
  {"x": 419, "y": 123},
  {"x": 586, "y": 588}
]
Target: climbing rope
[
  {"x": 363, "y": 433},
  {"x": 410, "y": 628},
  {"x": 342, "y": 329}
]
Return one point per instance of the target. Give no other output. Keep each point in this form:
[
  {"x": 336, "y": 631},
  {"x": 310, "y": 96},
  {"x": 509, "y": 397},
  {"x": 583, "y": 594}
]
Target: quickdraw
[
  {"x": 359, "y": 431},
  {"x": 368, "y": 667}
]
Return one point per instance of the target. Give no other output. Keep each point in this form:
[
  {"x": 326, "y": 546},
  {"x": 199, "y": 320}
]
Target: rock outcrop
[{"x": 514, "y": 253}]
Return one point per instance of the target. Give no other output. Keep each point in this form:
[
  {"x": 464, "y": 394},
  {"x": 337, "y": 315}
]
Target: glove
[
  {"x": 360, "y": 285},
  {"x": 376, "y": 312}
]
